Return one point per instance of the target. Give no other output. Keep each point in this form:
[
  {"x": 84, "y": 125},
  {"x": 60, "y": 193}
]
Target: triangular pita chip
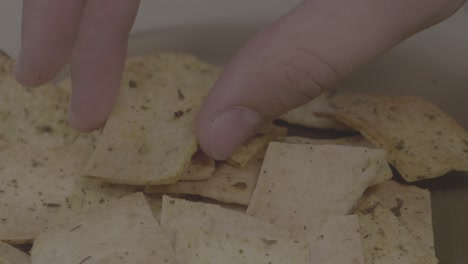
[
  {"x": 422, "y": 141},
  {"x": 150, "y": 136},
  {"x": 300, "y": 183},
  {"x": 228, "y": 184},
  {"x": 354, "y": 141},
  {"x": 11, "y": 255},
  {"x": 386, "y": 240},
  {"x": 121, "y": 231},
  {"x": 178, "y": 214},
  {"x": 314, "y": 114},
  {"x": 411, "y": 205},
  {"x": 199, "y": 246},
  {"x": 335, "y": 240}
]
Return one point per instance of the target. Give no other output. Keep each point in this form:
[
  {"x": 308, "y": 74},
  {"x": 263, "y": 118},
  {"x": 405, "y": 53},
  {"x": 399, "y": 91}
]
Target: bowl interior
[{"x": 429, "y": 65}]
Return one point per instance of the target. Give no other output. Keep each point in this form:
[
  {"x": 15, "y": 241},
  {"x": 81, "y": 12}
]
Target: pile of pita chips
[
  {"x": 303, "y": 172},
  {"x": 121, "y": 231},
  {"x": 317, "y": 113},
  {"x": 150, "y": 136},
  {"x": 305, "y": 196},
  {"x": 422, "y": 141},
  {"x": 11, "y": 255}
]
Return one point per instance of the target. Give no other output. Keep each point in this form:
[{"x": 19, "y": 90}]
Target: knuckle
[{"x": 305, "y": 74}]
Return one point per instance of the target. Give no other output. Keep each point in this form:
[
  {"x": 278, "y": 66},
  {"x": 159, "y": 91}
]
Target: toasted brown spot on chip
[
  {"x": 240, "y": 185},
  {"x": 397, "y": 209},
  {"x": 178, "y": 114},
  {"x": 269, "y": 242},
  {"x": 45, "y": 129},
  {"x": 180, "y": 94},
  {"x": 132, "y": 84}
]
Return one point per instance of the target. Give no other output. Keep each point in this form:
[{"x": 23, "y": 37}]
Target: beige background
[{"x": 155, "y": 14}]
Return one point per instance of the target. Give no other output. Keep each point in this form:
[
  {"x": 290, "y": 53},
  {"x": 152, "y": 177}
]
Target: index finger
[{"x": 48, "y": 32}]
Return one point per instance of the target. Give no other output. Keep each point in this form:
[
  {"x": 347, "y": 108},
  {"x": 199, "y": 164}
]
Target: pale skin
[{"x": 286, "y": 64}]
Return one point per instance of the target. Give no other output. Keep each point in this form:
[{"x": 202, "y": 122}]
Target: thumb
[{"x": 294, "y": 59}]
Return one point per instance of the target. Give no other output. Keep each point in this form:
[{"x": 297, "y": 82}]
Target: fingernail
[{"x": 231, "y": 129}]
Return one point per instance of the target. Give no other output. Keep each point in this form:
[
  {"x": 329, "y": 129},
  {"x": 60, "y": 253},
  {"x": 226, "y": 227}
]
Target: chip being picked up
[
  {"x": 315, "y": 114},
  {"x": 150, "y": 136}
]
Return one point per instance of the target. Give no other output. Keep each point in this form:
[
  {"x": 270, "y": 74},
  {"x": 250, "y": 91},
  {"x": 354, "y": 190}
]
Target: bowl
[{"x": 431, "y": 64}]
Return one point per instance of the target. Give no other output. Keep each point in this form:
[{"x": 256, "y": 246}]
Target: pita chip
[
  {"x": 386, "y": 240},
  {"x": 121, "y": 231},
  {"x": 299, "y": 183},
  {"x": 160, "y": 95},
  {"x": 353, "y": 141},
  {"x": 411, "y": 205},
  {"x": 335, "y": 240},
  {"x": 32, "y": 116},
  {"x": 178, "y": 214},
  {"x": 33, "y": 185},
  {"x": 198, "y": 246},
  {"x": 314, "y": 114},
  {"x": 89, "y": 192},
  {"x": 422, "y": 141}
]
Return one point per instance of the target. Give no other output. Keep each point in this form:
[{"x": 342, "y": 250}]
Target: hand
[
  {"x": 288, "y": 63},
  {"x": 308, "y": 50},
  {"x": 92, "y": 36}
]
